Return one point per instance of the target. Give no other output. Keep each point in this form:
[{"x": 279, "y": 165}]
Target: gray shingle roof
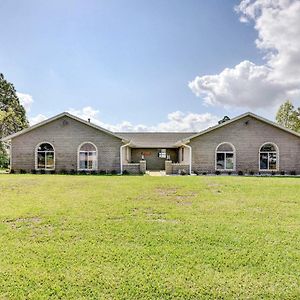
[{"x": 155, "y": 139}]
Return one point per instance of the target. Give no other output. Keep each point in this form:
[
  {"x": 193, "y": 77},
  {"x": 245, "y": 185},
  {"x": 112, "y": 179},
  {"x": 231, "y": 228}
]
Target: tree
[
  {"x": 12, "y": 115},
  {"x": 288, "y": 116},
  {"x": 225, "y": 119}
]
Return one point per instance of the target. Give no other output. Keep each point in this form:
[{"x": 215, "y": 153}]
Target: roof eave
[
  {"x": 249, "y": 114},
  {"x": 9, "y": 137}
]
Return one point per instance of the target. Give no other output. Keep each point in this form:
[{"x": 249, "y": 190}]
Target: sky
[{"x": 140, "y": 65}]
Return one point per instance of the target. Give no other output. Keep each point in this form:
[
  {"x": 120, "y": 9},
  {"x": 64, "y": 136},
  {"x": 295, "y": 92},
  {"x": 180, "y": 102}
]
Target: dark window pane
[
  {"x": 263, "y": 161},
  {"x": 220, "y": 161},
  {"x": 45, "y": 147},
  {"x": 268, "y": 148},
  {"x": 41, "y": 160}
]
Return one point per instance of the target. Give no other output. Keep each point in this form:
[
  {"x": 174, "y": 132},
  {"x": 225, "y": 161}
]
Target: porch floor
[{"x": 156, "y": 173}]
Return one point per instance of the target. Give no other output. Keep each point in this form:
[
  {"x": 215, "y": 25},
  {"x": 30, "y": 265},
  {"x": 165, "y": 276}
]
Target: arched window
[
  {"x": 268, "y": 157},
  {"x": 45, "y": 157},
  {"x": 87, "y": 156},
  {"x": 225, "y": 157}
]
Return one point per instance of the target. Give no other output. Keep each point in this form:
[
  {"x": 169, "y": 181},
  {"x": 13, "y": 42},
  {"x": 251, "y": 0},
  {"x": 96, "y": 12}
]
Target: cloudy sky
[{"x": 151, "y": 65}]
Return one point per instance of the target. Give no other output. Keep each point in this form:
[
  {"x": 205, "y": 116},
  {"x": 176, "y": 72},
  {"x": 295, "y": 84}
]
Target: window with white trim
[
  {"x": 87, "y": 157},
  {"x": 162, "y": 153},
  {"x": 268, "y": 157},
  {"x": 225, "y": 157},
  {"x": 45, "y": 157}
]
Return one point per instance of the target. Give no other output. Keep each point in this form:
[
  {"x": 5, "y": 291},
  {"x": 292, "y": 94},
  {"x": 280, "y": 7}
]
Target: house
[{"x": 247, "y": 143}]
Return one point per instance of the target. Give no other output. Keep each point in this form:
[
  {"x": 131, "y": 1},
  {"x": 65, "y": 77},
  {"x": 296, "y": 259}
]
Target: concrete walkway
[{"x": 156, "y": 173}]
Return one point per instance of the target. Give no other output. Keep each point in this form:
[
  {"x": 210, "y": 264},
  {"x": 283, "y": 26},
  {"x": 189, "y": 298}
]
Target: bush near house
[{"x": 133, "y": 237}]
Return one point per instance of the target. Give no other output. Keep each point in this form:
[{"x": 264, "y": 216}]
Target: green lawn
[{"x": 112, "y": 237}]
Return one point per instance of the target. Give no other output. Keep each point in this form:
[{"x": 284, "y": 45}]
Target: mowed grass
[{"x": 112, "y": 237}]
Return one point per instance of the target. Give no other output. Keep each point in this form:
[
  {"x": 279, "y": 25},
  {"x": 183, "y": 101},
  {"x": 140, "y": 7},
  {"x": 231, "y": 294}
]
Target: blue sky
[{"x": 129, "y": 60}]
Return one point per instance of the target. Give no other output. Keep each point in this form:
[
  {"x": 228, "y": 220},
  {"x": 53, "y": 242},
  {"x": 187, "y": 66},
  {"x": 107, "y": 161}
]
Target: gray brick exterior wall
[
  {"x": 247, "y": 135},
  {"x": 65, "y": 134}
]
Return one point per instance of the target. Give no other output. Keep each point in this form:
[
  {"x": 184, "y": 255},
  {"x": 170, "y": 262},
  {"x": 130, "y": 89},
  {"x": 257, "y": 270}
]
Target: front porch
[{"x": 169, "y": 160}]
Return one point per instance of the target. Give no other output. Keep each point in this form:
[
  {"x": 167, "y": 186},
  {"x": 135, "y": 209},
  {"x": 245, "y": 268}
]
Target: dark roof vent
[
  {"x": 65, "y": 122},
  {"x": 89, "y": 120},
  {"x": 225, "y": 119}
]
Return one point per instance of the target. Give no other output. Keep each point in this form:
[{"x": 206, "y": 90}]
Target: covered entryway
[
  {"x": 156, "y": 151},
  {"x": 155, "y": 158}
]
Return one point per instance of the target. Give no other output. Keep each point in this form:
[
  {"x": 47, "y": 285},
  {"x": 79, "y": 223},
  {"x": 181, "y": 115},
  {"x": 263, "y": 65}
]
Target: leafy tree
[
  {"x": 12, "y": 115},
  {"x": 288, "y": 116}
]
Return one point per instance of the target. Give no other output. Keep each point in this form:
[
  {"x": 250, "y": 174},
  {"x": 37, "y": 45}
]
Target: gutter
[
  {"x": 121, "y": 156},
  {"x": 190, "y": 160}
]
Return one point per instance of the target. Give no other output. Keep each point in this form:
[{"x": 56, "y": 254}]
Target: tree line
[{"x": 13, "y": 116}]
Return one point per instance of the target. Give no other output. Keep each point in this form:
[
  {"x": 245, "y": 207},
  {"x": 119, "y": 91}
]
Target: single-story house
[{"x": 247, "y": 143}]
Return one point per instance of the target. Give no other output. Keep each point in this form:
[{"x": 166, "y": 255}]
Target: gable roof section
[
  {"x": 151, "y": 139},
  {"x": 248, "y": 114},
  {"x": 64, "y": 114},
  {"x": 155, "y": 139}
]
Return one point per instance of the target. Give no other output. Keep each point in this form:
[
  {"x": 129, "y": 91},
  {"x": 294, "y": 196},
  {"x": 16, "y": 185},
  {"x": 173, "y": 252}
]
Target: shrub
[
  {"x": 229, "y": 173},
  {"x": 273, "y": 173},
  {"x": 52, "y": 172},
  {"x": 42, "y": 171},
  {"x": 93, "y": 172},
  {"x": 33, "y": 171},
  {"x": 113, "y": 172},
  {"x": 182, "y": 172},
  {"x": 196, "y": 172},
  {"x": 293, "y": 173},
  {"x": 12, "y": 171},
  {"x": 282, "y": 173},
  {"x": 82, "y": 172},
  {"x": 240, "y": 173},
  {"x": 22, "y": 171},
  {"x": 218, "y": 173},
  {"x": 72, "y": 172},
  {"x": 125, "y": 172},
  {"x": 63, "y": 171},
  {"x": 102, "y": 172},
  {"x": 204, "y": 173},
  {"x": 251, "y": 173}
]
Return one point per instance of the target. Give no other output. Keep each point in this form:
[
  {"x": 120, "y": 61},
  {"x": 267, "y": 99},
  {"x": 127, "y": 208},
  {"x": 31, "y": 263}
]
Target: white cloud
[
  {"x": 179, "y": 121},
  {"x": 259, "y": 86},
  {"x": 26, "y": 100},
  {"x": 37, "y": 119},
  {"x": 176, "y": 121}
]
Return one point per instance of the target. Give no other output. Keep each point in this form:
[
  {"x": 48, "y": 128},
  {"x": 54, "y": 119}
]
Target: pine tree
[{"x": 12, "y": 114}]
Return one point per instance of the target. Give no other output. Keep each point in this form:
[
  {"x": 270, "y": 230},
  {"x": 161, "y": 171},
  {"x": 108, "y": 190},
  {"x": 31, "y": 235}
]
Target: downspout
[
  {"x": 190, "y": 160},
  {"x": 121, "y": 156}
]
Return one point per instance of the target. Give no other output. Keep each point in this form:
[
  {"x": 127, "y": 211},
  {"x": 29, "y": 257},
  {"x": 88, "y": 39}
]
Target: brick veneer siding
[
  {"x": 65, "y": 134},
  {"x": 135, "y": 168},
  {"x": 247, "y": 135},
  {"x": 176, "y": 168}
]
